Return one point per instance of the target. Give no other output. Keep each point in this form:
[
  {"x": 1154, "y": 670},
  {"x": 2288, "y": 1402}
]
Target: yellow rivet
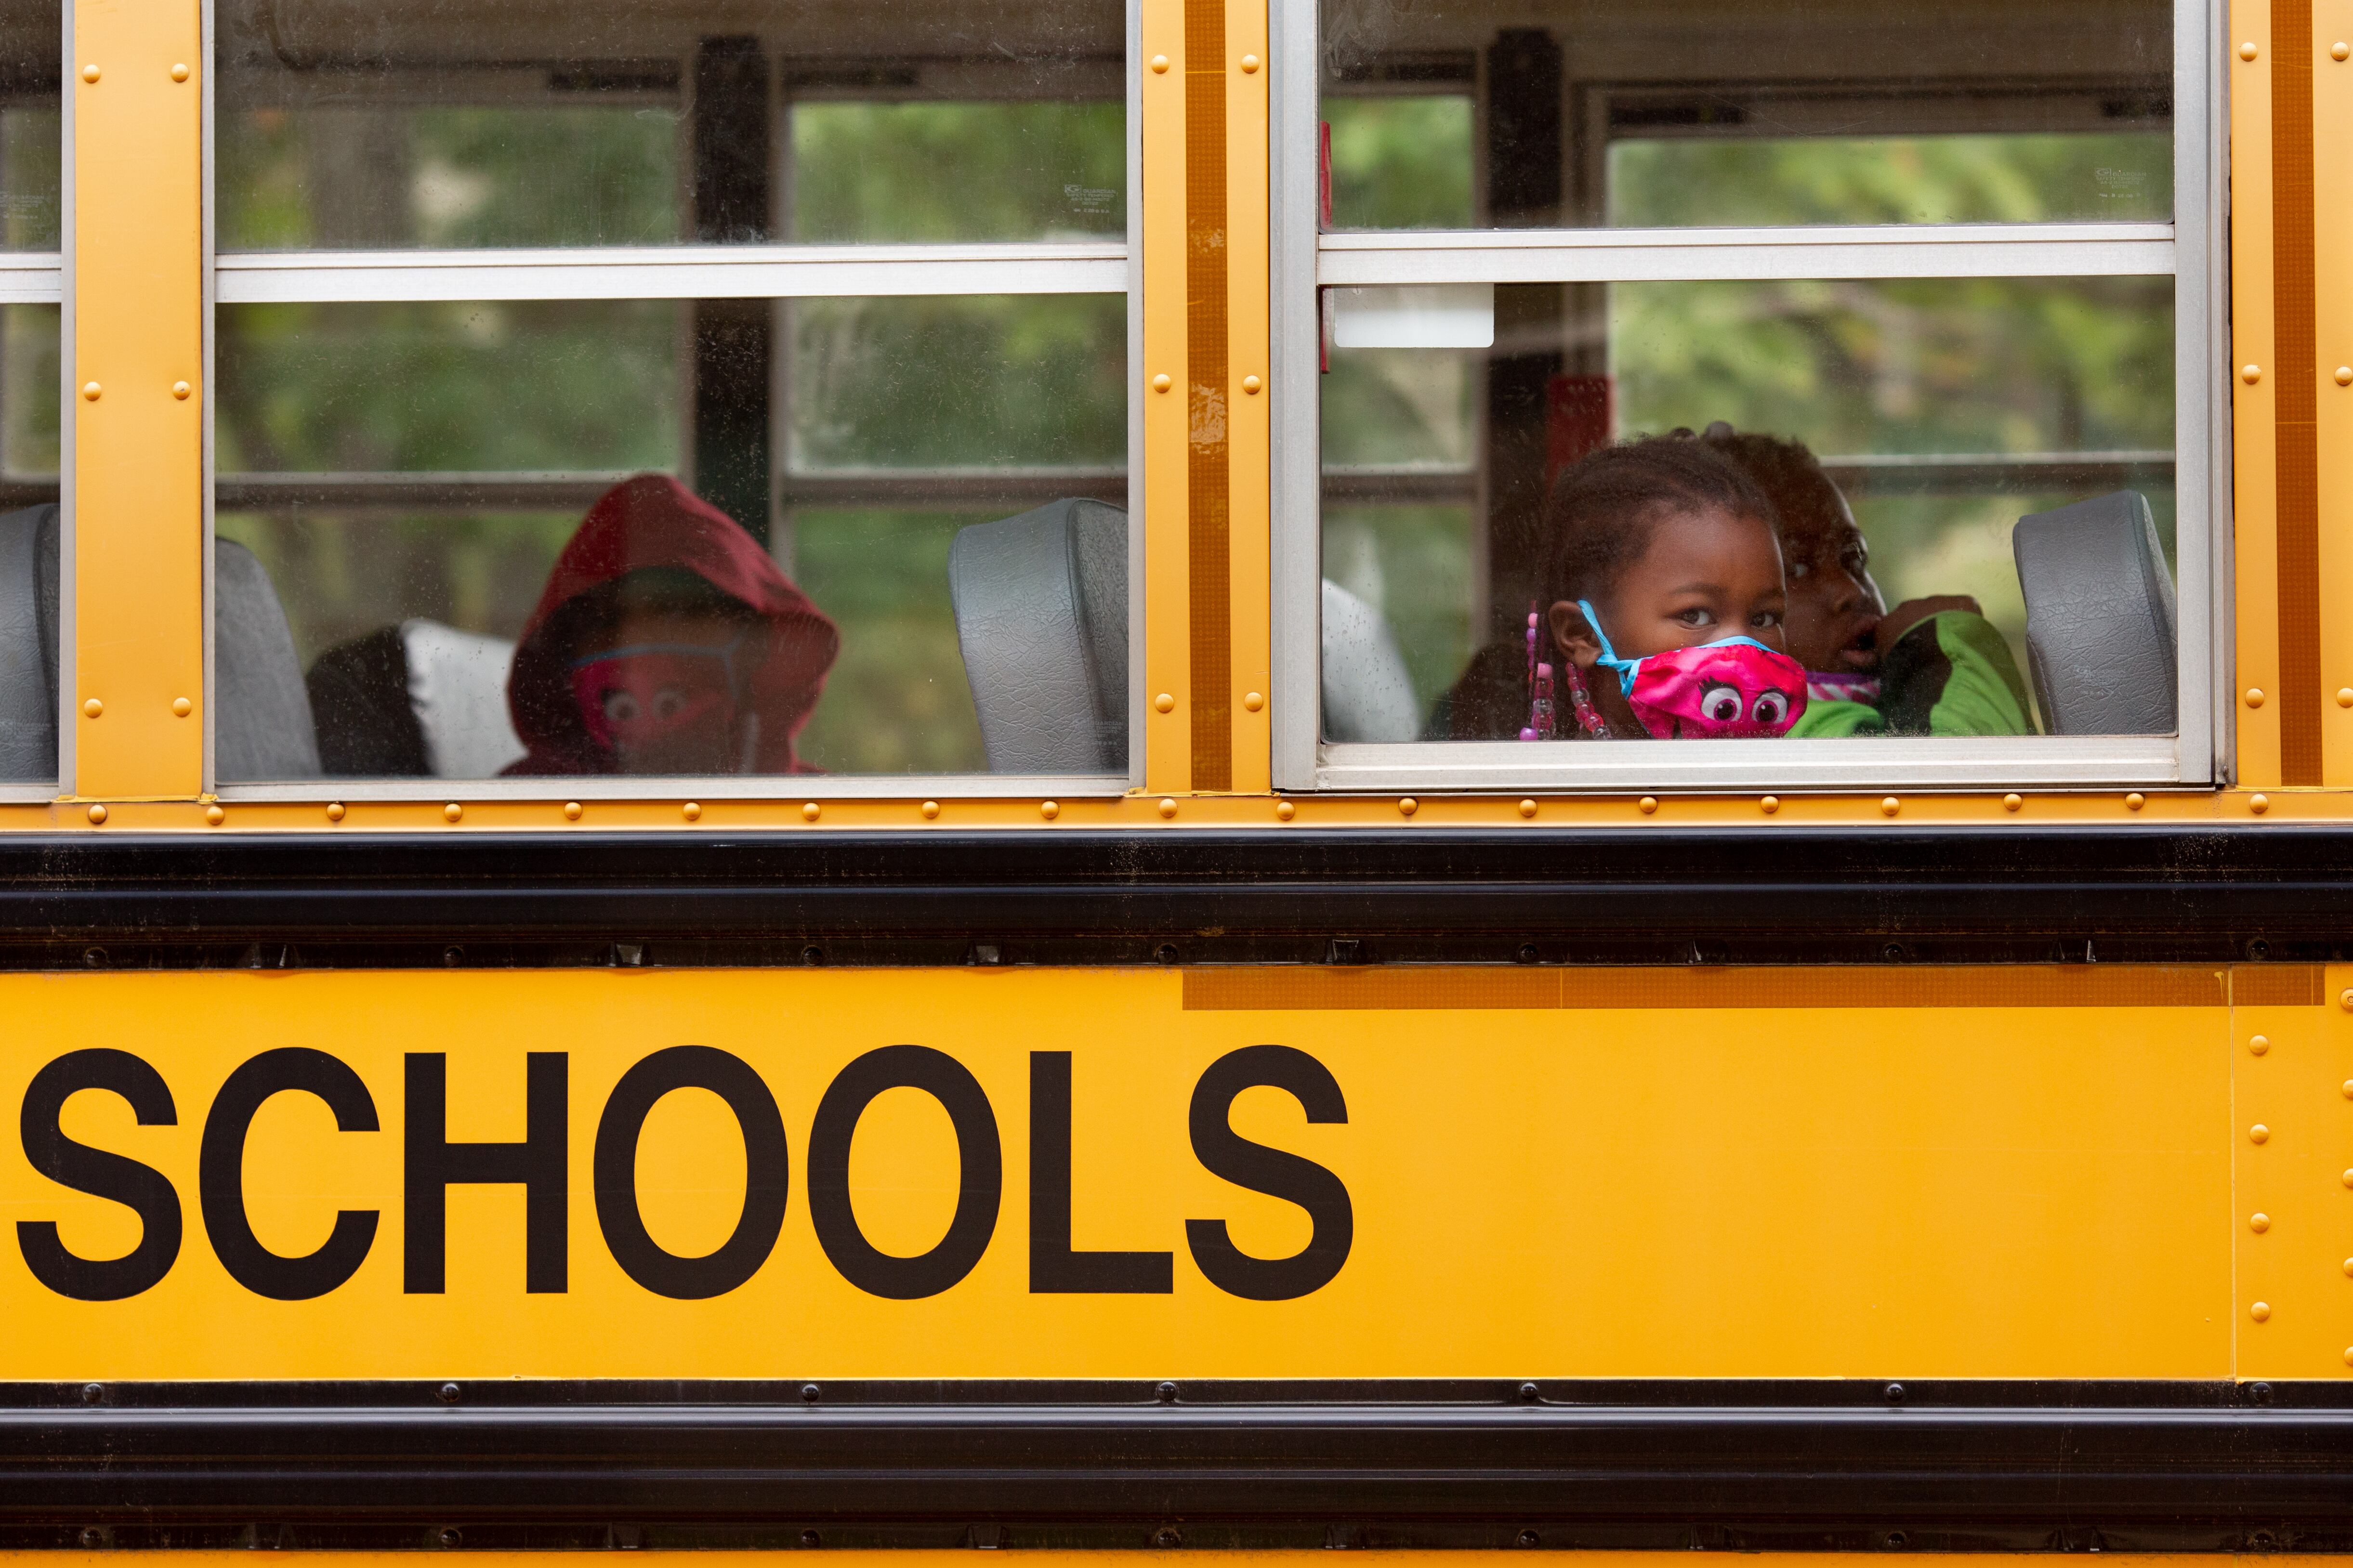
[
  {"x": 2344, "y": 1000},
  {"x": 2258, "y": 1044},
  {"x": 215, "y": 815},
  {"x": 1890, "y": 806},
  {"x": 2134, "y": 801},
  {"x": 2348, "y": 1088},
  {"x": 811, "y": 811},
  {"x": 2251, "y": 373},
  {"x": 1253, "y": 701},
  {"x": 692, "y": 810},
  {"x": 90, "y": 389},
  {"x": 98, "y": 813},
  {"x": 1527, "y": 808},
  {"x": 1161, "y": 383},
  {"x": 1249, "y": 64},
  {"x": 452, "y": 812},
  {"x": 1048, "y": 809},
  {"x": 2348, "y": 1269},
  {"x": 1285, "y": 810},
  {"x": 572, "y": 811},
  {"x": 2344, "y": 375},
  {"x": 2012, "y": 802},
  {"x": 2248, "y": 51},
  {"x": 1164, "y": 703},
  {"x": 335, "y": 811},
  {"x": 182, "y": 707},
  {"x": 179, "y": 71},
  {"x": 89, "y": 73},
  {"x": 2259, "y": 803},
  {"x": 92, "y": 708},
  {"x": 180, "y": 389},
  {"x": 931, "y": 810},
  {"x": 1160, "y": 65},
  {"x": 1408, "y": 807},
  {"x": 2349, "y": 1355},
  {"x": 2347, "y": 1178},
  {"x": 2345, "y": 697},
  {"x": 2254, "y": 696},
  {"x": 2259, "y": 1134},
  {"x": 1769, "y": 804},
  {"x": 1167, "y": 807},
  {"x": 1647, "y": 804},
  {"x": 1251, "y": 384},
  {"x": 2259, "y": 1223},
  {"x": 2338, "y": 51},
  {"x": 2260, "y": 1311}
]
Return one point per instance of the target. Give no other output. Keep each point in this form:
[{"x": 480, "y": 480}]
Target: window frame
[
  {"x": 1307, "y": 260},
  {"x": 683, "y": 271}
]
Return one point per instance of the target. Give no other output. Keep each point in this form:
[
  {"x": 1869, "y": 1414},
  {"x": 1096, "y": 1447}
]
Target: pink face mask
[
  {"x": 1737, "y": 688},
  {"x": 635, "y": 695}
]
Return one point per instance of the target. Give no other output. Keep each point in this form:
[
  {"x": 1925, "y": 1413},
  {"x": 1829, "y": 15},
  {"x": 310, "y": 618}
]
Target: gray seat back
[
  {"x": 1041, "y": 617},
  {"x": 1367, "y": 692},
  {"x": 262, "y": 728},
  {"x": 28, "y": 645},
  {"x": 2100, "y": 636}
]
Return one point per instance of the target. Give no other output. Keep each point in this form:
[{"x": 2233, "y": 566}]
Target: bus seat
[
  {"x": 262, "y": 726},
  {"x": 1367, "y": 695},
  {"x": 2099, "y": 617},
  {"x": 1041, "y": 617},
  {"x": 28, "y": 645},
  {"x": 458, "y": 689}
]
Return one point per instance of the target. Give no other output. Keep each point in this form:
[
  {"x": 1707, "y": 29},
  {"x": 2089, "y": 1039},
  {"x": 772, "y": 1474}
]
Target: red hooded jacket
[{"x": 654, "y": 520}]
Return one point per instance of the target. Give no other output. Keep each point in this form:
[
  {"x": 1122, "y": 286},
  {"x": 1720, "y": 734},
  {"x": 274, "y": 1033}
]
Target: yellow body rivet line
[
  {"x": 179, "y": 71},
  {"x": 335, "y": 811},
  {"x": 91, "y": 389},
  {"x": 2259, "y": 1223},
  {"x": 452, "y": 812},
  {"x": 1647, "y": 804},
  {"x": 571, "y": 809},
  {"x": 1161, "y": 383},
  {"x": 1167, "y": 807},
  {"x": 92, "y": 708},
  {"x": 180, "y": 389},
  {"x": 182, "y": 707},
  {"x": 811, "y": 811},
  {"x": 215, "y": 815},
  {"x": 2258, "y": 1045},
  {"x": 692, "y": 810},
  {"x": 1253, "y": 701},
  {"x": 1251, "y": 384},
  {"x": 2260, "y": 1311},
  {"x": 1890, "y": 806},
  {"x": 2259, "y": 803},
  {"x": 2251, "y": 373},
  {"x": 931, "y": 810},
  {"x": 2012, "y": 802},
  {"x": 1408, "y": 807},
  {"x": 1160, "y": 65},
  {"x": 2247, "y": 51},
  {"x": 1527, "y": 808},
  {"x": 89, "y": 73},
  {"x": 2259, "y": 1134},
  {"x": 1285, "y": 810},
  {"x": 2254, "y": 696},
  {"x": 1049, "y": 809},
  {"x": 1164, "y": 703},
  {"x": 1249, "y": 64},
  {"x": 2134, "y": 801},
  {"x": 96, "y": 813}
]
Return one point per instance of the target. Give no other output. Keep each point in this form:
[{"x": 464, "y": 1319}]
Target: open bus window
[
  {"x": 1901, "y": 281},
  {"x": 748, "y": 504}
]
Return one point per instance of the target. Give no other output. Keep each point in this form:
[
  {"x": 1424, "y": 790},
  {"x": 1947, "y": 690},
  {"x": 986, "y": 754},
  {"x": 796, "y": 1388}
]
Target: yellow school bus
[{"x": 790, "y": 775}]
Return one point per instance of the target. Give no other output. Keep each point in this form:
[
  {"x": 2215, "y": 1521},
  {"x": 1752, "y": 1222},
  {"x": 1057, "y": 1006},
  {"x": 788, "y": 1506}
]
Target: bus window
[
  {"x": 747, "y": 504},
  {"x": 1901, "y": 281},
  {"x": 30, "y": 527}
]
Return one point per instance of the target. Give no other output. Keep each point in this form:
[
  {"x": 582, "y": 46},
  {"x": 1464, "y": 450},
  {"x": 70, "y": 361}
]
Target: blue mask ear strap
[{"x": 1624, "y": 667}]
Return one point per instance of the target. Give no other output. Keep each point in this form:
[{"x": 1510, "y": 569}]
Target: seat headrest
[
  {"x": 2100, "y": 629},
  {"x": 1041, "y": 617}
]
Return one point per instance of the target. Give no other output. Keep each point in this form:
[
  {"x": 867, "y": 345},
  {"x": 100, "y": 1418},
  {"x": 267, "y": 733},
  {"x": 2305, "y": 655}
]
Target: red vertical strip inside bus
[
  {"x": 2296, "y": 393},
  {"x": 1207, "y": 449}
]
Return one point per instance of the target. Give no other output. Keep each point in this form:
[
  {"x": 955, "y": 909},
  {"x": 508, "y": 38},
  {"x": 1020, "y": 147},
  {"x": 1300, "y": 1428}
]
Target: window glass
[
  {"x": 30, "y": 183},
  {"x": 1709, "y": 113},
  {"x": 1936, "y": 413},
  {"x": 444, "y": 123}
]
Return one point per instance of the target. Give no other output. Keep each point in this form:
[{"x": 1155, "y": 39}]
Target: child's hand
[{"x": 1912, "y": 612}]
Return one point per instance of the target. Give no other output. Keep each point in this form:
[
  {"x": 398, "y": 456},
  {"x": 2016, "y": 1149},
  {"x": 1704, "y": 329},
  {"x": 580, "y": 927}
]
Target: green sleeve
[
  {"x": 1950, "y": 675},
  {"x": 1837, "y": 722}
]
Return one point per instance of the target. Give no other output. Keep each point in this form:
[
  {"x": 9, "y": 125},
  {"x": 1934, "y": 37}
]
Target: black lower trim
[
  {"x": 1841, "y": 1465},
  {"x": 1647, "y": 896}
]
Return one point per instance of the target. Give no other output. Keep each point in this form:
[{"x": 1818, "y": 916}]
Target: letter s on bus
[
  {"x": 1274, "y": 1171},
  {"x": 100, "y": 1174}
]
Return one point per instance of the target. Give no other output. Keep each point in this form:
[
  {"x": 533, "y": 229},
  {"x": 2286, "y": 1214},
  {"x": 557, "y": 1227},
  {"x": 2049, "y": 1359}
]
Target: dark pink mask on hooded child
[{"x": 1737, "y": 688}]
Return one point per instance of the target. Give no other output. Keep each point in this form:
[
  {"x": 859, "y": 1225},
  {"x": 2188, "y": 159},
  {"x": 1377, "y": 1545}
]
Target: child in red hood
[{"x": 666, "y": 642}]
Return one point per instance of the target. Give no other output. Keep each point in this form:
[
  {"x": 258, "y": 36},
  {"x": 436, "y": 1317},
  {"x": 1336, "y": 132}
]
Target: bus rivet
[
  {"x": 89, "y": 73},
  {"x": 1408, "y": 807},
  {"x": 2349, "y": 1267},
  {"x": 2344, "y": 375},
  {"x": 92, "y": 708},
  {"x": 335, "y": 811},
  {"x": 182, "y": 707},
  {"x": 2348, "y": 1087},
  {"x": 811, "y": 811},
  {"x": 2251, "y": 373},
  {"x": 1285, "y": 810},
  {"x": 180, "y": 389},
  {"x": 1647, "y": 804},
  {"x": 1167, "y": 807},
  {"x": 2254, "y": 696},
  {"x": 215, "y": 815},
  {"x": 2013, "y": 802},
  {"x": 2258, "y": 1044},
  {"x": 2134, "y": 801},
  {"x": 1253, "y": 701},
  {"x": 2259, "y": 803},
  {"x": 1160, "y": 65},
  {"x": 931, "y": 810},
  {"x": 1769, "y": 804},
  {"x": 1049, "y": 809},
  {"x": 2345, "y": 697},
  {"x": 179, "y": 71},
  {"x": 2339, "y": 50},
  {"x": 1890, "y": 806},
  {"x": 2344, "y": 1000},
  {"x": 2259, "y": 1134},
  {"x": 1161, "y": 383},
  {"x": 692, "y": 810},
  {"x": 2347, "y": 1178},
  {"x": 452, "y": 812},
  {"x": 2247, "y": 51},
  {"x": 91, "y": 391},
  {"x": 2260, "y": 1311},
  {"x": 1527, "y": 808},
  {"x": 2259, "y": 1223},
  {"x": 97, "y": 814},
  {"x": 2349, "y": 1355},
  {"x": 572, "y": 811},
  {"x": 1164, "y": 703},
  {"x": 1249, "y": 64},
  {"x": 1251, "y": 384}
]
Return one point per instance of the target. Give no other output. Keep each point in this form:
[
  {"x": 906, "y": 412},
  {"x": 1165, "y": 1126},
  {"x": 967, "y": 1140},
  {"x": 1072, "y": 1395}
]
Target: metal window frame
[
  {"x": 682, "y": 272},
  {"x": 2191, "y": 248}
]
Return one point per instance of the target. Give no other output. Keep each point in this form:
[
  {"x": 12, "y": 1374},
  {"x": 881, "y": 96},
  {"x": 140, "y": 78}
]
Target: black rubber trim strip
[
  {"x": 2201, "y": 1465},
  {"x": 1641, "y": 895}
]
